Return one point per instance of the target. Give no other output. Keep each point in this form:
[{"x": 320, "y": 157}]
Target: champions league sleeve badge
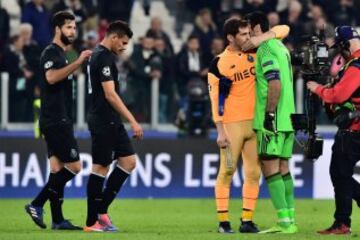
[
  {"x": 106, "y": 71},
  {"x": 48, "y": 65}
]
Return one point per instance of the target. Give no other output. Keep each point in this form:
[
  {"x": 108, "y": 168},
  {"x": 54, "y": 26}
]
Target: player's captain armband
[
  {"x": 272, "y": 75},
  {"x": 224, "y": 90}
]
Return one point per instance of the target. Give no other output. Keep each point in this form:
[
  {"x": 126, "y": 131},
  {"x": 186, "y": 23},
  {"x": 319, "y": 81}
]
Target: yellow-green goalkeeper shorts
[{"x": 279, "y": 145}]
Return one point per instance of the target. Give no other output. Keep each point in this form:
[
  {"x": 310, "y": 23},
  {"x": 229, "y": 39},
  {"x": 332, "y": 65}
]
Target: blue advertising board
[{"x": 166, "y": 168}]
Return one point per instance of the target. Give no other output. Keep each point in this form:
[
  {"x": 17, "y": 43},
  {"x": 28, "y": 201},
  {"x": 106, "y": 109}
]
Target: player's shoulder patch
[
  {"x": 106, "y": 71},
  {"x": 48, "y": 64}
]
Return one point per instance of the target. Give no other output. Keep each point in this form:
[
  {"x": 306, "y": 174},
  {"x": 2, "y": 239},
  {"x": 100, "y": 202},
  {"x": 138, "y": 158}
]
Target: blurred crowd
[{"x": 25, "y": 31}]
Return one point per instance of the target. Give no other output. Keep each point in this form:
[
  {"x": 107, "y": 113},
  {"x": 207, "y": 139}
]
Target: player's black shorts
[
  {"x": 61, "y": 142},
  {"x": 109, "y": 142}
]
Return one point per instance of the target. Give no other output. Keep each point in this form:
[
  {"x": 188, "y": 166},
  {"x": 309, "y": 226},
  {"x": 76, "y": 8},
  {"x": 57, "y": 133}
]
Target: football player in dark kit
[
  {"x": 110, "y": 140},
  {"x": 56, "y": 121}
]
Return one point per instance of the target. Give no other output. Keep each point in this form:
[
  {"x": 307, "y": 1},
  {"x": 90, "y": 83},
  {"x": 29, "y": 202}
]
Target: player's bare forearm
[
  {"x": 274, "y": 89},
  {"x": 56, "y": 75},
  {"x": 222, "y": 139},
  {"x": 115, "y": 101},
  {"x": 280, "y": 31},
  {"x": 119, "y": 106},
  {"x": 220, "y": 127}
]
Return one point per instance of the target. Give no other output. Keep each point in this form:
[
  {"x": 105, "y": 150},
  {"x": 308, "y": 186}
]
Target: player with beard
[
  {"x": 231, "y": 80},
  {"x": 56, "y": 122}
]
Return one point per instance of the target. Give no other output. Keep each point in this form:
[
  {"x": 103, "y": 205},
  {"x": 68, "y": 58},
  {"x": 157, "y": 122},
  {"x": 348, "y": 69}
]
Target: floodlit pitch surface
[{"x": 183, "y": 219}]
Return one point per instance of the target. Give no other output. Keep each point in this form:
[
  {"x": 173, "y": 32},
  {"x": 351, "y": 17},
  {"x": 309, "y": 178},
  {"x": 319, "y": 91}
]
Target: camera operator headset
[{"x": 345, "y": 96}]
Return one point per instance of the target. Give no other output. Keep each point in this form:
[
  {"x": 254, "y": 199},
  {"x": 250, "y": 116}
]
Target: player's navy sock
[
  {"x": 43, "y": 196},
  {"x": 56, "y": 190},
  {"x": 113, "y": 186},
  {"x": 56, "y": 207},
  {"x": 94, "y": 197}
]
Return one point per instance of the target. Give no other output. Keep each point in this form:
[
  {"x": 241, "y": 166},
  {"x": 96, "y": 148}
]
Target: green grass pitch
[{"x": 183, "y": 219}]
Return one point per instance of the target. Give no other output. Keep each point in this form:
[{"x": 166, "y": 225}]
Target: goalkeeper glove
[{"x": 269, "y": 123}]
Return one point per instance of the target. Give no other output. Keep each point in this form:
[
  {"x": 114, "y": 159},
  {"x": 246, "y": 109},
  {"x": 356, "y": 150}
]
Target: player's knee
[
  {"x": 127, "y": 163},
  {"x": 269, "y": 170},
  {"x": 55, "y": 164},
  {"x": 77, "y": 169},
  {"x": 74, "y": 167},
  {"x": 229, "y": 172},
  {"x": 55, "y": 169},
  {"x": 132, "y": 164},
  {"x": 223, "y": 180},
  {"x": 252, "y": 175},
  {"x": 100, "y": 169},
  {"x": 284, "y": 169}
]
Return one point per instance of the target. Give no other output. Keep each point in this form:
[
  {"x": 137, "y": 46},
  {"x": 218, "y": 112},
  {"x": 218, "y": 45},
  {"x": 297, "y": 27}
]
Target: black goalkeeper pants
[{"x": 345, "y": 155}]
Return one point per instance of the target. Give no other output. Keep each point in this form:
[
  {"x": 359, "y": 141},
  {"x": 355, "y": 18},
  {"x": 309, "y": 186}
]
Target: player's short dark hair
[
  {"x": 192, "y": 36},
  {"x": 260, "y": 18},
  {"x": 59, "y": 19},
  {"x": 120, "y": 28},
  {"x": 232, "y": 25}
]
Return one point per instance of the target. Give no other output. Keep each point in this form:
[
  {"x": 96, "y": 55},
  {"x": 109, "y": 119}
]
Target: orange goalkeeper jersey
[{"x": 239, "y": 67}]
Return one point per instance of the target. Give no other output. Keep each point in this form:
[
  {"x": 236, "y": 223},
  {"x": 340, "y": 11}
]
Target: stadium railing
[
  {"x": 154, "y": 124},
  {"x": 5, "y": 124}
]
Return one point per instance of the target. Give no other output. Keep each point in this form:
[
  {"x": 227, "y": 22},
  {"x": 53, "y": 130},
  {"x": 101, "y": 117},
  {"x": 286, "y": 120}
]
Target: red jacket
[{"x": 344, "y": 90}]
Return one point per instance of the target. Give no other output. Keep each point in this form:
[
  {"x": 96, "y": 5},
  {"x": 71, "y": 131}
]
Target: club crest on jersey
[
  {"x": 250, "y": 58},
  {"x": 106, "y": 71},
  {"x": 48, "y": 64}
]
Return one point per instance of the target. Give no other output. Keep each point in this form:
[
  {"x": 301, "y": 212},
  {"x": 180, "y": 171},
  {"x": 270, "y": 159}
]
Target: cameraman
[{"x": 346, "y": 148}]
